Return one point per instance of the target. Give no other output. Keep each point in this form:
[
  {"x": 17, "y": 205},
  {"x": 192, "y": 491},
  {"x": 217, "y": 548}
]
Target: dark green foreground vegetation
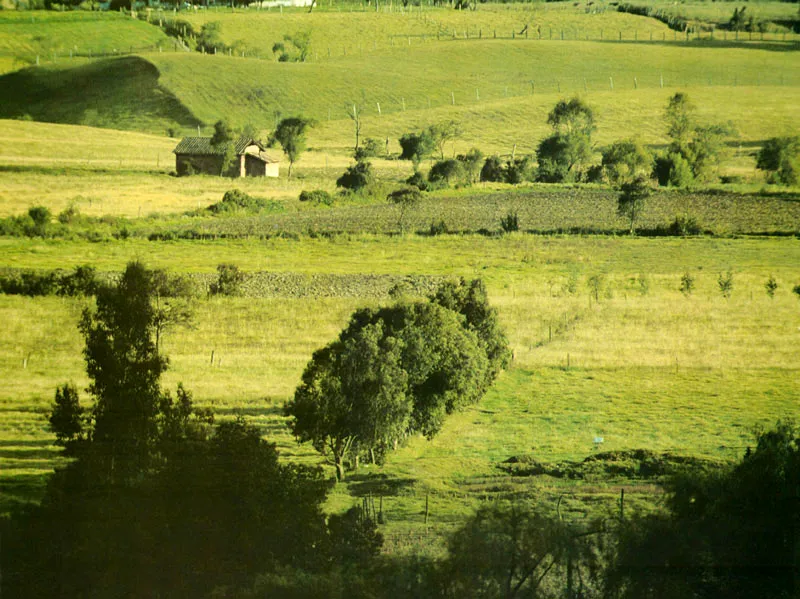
[
  {"x": 357, "y": 420},
  {"x": 160, "y": 500}
]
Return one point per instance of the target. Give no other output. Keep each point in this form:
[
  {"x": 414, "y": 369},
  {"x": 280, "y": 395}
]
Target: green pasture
[
  {"x": 367, "y": 31},
  {"x": 641, "y": 365},
  {"x": 691, "y": 375},
  {"x": 178, "y": 91},
  {"x": 781, "y": 15},
  {"x": 57, "y": 36},
  {"x": 472, "y": 72},
  {"x": 118, "y": 173}
]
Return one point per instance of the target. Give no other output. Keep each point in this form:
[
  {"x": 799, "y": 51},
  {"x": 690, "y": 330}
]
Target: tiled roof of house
[{"x": 201, "y": 146}]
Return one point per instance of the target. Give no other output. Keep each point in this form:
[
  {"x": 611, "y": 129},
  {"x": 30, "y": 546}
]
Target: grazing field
[
  {"x": 157, "y": 92},
  {"x": 692, "y": 374},
  {"x": 58, "y": 36},
  {"x": 367, "y": 31},
  {"x": 628, "y": 362},
  {"x": 778, "y": 16}
]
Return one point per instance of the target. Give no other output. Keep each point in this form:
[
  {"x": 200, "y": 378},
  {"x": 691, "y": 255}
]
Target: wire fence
[{"x": 183, "y": 37}]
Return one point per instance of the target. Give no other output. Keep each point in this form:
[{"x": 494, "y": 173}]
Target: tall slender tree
[{"x": 290, "y": 133}]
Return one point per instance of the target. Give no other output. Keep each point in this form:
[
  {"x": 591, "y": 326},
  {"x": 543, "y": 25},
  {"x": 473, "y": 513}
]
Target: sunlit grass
[{"x": 25, "y": 35}]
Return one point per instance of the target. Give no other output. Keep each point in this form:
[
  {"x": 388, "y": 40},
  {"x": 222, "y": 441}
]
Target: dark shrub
[
  {"x": 41, "y": 218},
  {"x": 438, "y": 228},
  {"x": 317, "y": 196},
  {"x": 416, "y": 146},
  {"x": 418, "y": 180},
  {"x": 673, "y": 170},
  {"x": 447, "y": 172},
  {"x": 685, "y": 225},
  {"x": 493, "y": 170},
  {"x": 69, "y": 215},
  {"x": 356, "y": 177},
  {"x": 229, "y": 280},
  {"x": 517, "y": 171},
  {"x": 510, "y": 222},
  {"x": 235, "y": 200},
  {"x": 81, "y": 282}
]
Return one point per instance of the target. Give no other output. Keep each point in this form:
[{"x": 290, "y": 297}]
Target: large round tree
[{"x": 392, "y": 372}]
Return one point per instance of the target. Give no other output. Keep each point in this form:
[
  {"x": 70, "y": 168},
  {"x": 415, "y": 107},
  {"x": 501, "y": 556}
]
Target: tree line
[{"x": 566, "y": 155}]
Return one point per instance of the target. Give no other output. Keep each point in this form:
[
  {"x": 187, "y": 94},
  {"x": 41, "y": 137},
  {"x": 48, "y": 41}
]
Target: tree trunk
[{"x": 339, "y": 468}]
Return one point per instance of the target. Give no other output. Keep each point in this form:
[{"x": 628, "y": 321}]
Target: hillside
[
  {"x": 499, "y": 88},
  {"x": 123, "y": 92},
  {"x": 51, "y": 35},
  {"x": 341, "y": 29}
]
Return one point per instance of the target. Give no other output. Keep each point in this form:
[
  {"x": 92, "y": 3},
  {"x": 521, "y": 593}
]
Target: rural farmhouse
[{"x": 199, "y": 155}]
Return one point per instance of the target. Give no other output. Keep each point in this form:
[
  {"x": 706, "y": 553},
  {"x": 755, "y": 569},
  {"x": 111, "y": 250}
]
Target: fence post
[
  {"x": 635, "y": 83},
  {"x": 611, "y": 82}
]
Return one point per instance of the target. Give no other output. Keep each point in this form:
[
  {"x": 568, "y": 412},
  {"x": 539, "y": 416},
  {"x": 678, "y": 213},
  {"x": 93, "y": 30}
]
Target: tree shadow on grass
[{"x": 378, "y": 484}]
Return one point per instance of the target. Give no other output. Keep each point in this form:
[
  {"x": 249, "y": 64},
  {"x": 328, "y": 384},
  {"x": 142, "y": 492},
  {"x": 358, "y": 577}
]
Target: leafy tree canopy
[
  {"x": 291, "y": 135},
  {"x": 416, "y": 146},
  {"x": 573, "y": 116},
  {"x": 780, "y": 156},
  {"x": 729, "y": 532},
  {"x": 397, "y": 371},
  {"x": 624, "y": 161}
]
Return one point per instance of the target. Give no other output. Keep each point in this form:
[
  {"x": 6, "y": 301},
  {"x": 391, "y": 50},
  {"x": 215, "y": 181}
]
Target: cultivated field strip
[{"x": 539, "y": 209}]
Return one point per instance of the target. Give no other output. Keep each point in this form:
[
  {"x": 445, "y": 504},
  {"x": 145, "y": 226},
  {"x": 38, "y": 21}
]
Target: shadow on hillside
[
  {"x": 362, "y": 485},
  {"x": 119, "y": 93},
  {"x": 717, "y": 44},
  {"x": 76, "y": 171}
]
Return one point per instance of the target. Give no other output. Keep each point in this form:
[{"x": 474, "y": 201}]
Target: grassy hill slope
[
  {"x": 472, "y": 71},
  {"x": 121, "y": 92},
  {"x": 26, "y": 35},
  {"x": 494, "y": 81},
  {"x": 338, "y": 30}
]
